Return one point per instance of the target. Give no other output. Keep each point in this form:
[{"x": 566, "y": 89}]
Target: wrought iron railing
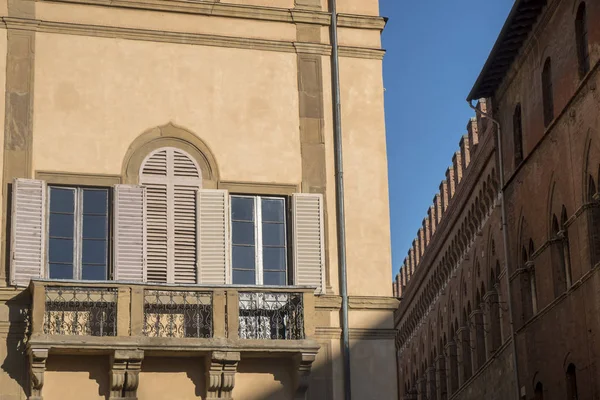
[
  {"x": 178, "y": 314},
  {"x": 274, "y": 315},
  {"x": 80, "y": 311}
]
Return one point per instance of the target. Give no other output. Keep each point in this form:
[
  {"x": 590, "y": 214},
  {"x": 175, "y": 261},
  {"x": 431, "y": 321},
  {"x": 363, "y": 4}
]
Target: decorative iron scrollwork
[
  {"x": 178, "y": 314},
  {"x": 271, "y": 316},
  {"x": 80, "y": 311}
]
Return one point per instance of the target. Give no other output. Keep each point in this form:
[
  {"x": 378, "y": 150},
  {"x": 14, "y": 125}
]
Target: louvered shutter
[
  {"x": 28, "y": 231},
  {"x": 129, "y": 233},
  {"x": 213, "y": 237},
  {"x": 172, "y": 179},
  {"x": 309, "y": 250}
]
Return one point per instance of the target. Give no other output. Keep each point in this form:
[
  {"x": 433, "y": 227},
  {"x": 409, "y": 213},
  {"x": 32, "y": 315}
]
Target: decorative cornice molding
[
  {"x": 259, "y": 13},
  {"x": 186, "y": 38}
]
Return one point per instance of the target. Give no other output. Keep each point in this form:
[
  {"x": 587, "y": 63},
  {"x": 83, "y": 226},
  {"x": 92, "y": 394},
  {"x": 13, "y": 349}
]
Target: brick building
[{"x": 499, "y": 291}]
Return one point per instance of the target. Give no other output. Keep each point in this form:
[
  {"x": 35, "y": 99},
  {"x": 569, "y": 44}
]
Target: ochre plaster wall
[
  {"x": 366, "y": 182},
  {"x": 89, "y": 109},
  {"x": 263, "y": 380},
  {"x": 163, "y": 378},
  {"x": 76, "y": 377}
]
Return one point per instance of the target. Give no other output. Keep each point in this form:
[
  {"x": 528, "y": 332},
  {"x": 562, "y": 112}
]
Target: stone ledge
[
  {"x": 57, "y": 344},
  {"x": 334, "y": 303}
]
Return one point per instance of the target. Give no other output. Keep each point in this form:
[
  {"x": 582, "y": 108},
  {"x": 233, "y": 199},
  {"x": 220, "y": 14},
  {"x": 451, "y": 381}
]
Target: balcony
[
  {"x": 129, "y": 322},
  {"x": 101, "y": 315}
]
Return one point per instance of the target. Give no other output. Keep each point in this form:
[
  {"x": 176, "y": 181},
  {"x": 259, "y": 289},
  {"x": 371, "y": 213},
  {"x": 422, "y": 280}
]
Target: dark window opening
[
  {"x": 547, "y": 92},
  {"x": 581, "y": 34},
  {"x": 518, "y": 135}
]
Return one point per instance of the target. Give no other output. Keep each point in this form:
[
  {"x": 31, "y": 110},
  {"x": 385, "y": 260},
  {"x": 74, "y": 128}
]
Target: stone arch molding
[{"x": 170, "y": 135}]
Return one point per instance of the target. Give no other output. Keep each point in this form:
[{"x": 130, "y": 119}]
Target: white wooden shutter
[
  {"x": 213, "y": 237},
  {"x": 172, "y": 179},
  {"x": 28, "y": 231},
  {"x": 184, "y": 244},
  {"x": 130, "y": 233},
  {"x": 309, "y": 249}
]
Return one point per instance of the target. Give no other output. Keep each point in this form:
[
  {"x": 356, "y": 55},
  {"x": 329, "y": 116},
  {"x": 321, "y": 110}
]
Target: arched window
[
  {"x": 547, "y": 92},
  {"x": 538, "y": 394},
  {"x": 465, "y": 342},
  {"x": 566, "y": 246},
  {"x": 518, "y": 135},
  {"x": 559, "y": 270},
  {"x": 172, "y": 179},
  {"x": 572, "y": 382},
  {"x": 581, "y": 35},
  {"x": 593, "y": 222}
]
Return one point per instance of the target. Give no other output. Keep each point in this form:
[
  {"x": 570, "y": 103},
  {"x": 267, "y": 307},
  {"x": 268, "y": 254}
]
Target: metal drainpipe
[
  {"x": 339, "y": 192},
  {"x": 505, "y": 240}
]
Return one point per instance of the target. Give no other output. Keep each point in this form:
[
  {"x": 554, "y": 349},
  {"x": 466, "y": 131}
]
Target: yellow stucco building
[{"x": 168, "y": 201}]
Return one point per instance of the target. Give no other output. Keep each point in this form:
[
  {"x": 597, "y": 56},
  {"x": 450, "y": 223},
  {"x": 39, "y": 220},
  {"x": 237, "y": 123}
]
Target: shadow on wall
[{"x": 268, "y": 376}]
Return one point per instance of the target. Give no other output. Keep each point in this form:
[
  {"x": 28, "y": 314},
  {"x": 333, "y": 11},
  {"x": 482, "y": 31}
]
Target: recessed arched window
[
  {"x": 547, "y": 92},
  {"x": 593, "y": 222},
  {"x": 518, "y": 135},
  {"x": 538, "y": 394},
  {"x": 572, "y": 382},
  {"x": 172, "y": 179},
  {"x": 581, "y": 35}
]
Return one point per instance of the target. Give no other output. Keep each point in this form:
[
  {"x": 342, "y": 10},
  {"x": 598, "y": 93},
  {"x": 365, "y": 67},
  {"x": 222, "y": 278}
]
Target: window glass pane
[
  {"x": 273, "y": 235},
  {"x": 243, "y": 257},
  {"x": 95, "y": 227},
  {"x": 60, "y": 271},
  {"x": 61, "y": 225},
  {"x": 93, "y": 252},
  {"x": 273, "y": 210},
  {"x": 274, "y": 278},
  {"x": 95, "y": 201},
  {"x": 62, "y": 200},
  {"x": 243, "y": 277},
  {"x": 274, "y": 258},
  {"x": 60, "y": 250},
  {"x": 242, "y": 208},
  {"x": 243, "y": 233},
  {"x": 93, "y": 272}
]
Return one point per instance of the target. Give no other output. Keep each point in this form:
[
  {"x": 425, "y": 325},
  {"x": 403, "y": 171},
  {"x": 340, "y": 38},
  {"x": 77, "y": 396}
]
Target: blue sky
[{"x": 435, "y": 51}]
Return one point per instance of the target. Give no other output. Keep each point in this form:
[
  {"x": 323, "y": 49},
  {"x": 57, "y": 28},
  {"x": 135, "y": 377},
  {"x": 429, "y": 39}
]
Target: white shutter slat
[
  {"x": 185, "y": 234},
  {"x": 129, "y": 233},
  {"x": 213, "y": 236},
  {"x": 156, "y": 233},
  {"x": 28, "y": 231},
  {"x": 309, "y": 248}
]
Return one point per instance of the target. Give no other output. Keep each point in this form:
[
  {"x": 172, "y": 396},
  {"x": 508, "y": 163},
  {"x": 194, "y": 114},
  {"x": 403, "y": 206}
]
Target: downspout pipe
[
  {"x": 505, "y": 240},
  {"x": 339, "y": 194}
]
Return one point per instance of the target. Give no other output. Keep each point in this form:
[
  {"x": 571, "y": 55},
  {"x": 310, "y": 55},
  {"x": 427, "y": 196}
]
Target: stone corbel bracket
[
  {"x": 220, "y": 374},
  {"x": 124, "y": 374},
  {"x": 37, "y": 366},
  {"x": 303, "y": 366}
]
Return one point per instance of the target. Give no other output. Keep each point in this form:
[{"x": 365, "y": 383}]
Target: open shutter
[
  {"x": 28, "y": 234},
  {"x": 309, "y": 250},
  {"x": 213, "y": 236},
  {"x": 184, "y": 238},
  {"x": 130, "y": 233}
]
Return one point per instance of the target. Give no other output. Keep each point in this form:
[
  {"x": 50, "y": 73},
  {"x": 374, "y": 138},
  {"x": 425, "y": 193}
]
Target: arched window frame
[
  {"x": 572, "y": 382},
  {"x": 518, "y": 135},
  {"x": 581, "y": 36},
  {"x": 547, "y": 92}
]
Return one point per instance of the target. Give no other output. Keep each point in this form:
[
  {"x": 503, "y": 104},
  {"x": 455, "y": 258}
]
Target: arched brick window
[
  {"x": 518, "y": 135},
  {"x": 572, "y": 382},
  {"x": 547, "y": 92},
  {"x": 465, "y": 342},
  {"x": 581, "y": 36},
  {"x": 538, "y": 393},
  {"x": 593, "y": 221},
  {"x": 566, "y": 246},
  {"x": 559, "y": 276}
]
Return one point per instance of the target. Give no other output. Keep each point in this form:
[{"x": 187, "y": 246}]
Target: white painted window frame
[
  {"x": 77, "y": 228},
  {"x": 258, "y": 241}
]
